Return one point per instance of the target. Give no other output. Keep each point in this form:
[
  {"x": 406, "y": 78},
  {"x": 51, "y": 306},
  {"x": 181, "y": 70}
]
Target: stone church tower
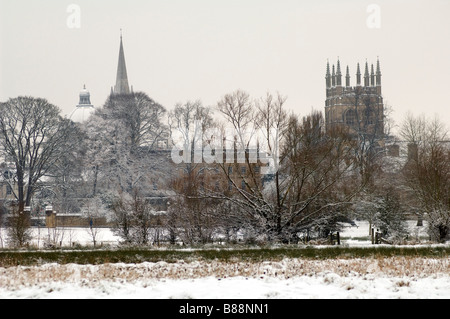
[{"x": 359, "y": 108}]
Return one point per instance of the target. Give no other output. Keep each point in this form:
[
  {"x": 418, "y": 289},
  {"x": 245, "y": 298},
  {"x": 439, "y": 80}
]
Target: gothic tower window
[{"x": 350, "y": 117}]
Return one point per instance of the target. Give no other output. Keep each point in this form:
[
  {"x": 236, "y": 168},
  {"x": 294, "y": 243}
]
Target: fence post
[
  {"x": 372, "y": 234},
  {"x": 338, "y": 237}
]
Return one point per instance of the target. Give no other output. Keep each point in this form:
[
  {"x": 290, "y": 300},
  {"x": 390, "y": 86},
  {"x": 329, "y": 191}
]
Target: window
[
  {"x": 243, "y": 170},
  {"x": 243, "y": 186},
  {"x": 350, "y": 117},
  {"x": 230, "y": 170}
]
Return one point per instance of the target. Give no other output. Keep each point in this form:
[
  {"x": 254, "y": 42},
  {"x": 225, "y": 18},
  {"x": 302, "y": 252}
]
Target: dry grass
[{"x": 91, "y": 275}]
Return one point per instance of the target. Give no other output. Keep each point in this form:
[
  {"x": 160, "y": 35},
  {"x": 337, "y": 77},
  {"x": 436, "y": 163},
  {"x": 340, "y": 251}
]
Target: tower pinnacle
[
  {"x": 358, "y": 75},
  {"x": 328, "y": 76},
  {"x": 347, "y": 78},
  {"x": 378, "y": 76},
  {"x": 372, "y": 77},
  {"x": 338, "y": 74},
  {"x": 366, "y": 75}
]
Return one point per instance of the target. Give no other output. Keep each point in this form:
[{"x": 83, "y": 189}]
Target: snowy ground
[
  {"x": 289, "y": 279},
  {"x": 398, "y": 277}
]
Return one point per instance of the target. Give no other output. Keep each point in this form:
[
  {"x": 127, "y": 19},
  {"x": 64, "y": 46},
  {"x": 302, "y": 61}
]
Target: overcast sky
[{"x": 179, "y": 50}]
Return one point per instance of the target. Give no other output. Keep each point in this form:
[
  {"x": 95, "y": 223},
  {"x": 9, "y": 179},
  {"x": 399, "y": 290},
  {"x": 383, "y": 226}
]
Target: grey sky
[{"x": 179, "y": 50}]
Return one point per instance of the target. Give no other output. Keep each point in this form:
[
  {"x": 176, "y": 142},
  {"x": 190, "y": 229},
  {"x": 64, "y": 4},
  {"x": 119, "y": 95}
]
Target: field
[
  {"x": 372, "y": 277},
  {"x": 354, "y": 270}
]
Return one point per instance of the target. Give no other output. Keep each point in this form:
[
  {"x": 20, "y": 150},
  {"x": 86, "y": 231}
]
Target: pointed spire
[
  {"x": 347, "y": 78},
  {"x": 378, "y": 76},
  {"x": 333, "y": 77},
  {"x": 358, "y": 75},
  {"x": 366, "y": 75},
  {"x": 328, "y": 76},
  {"x": 122, "y": 86},
  {"x": 338, "y": 74},
  {"x": 372, "y": 77}
]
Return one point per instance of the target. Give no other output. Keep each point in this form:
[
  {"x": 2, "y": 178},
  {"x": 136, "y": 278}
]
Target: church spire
[{"x": 122, "y": 86}]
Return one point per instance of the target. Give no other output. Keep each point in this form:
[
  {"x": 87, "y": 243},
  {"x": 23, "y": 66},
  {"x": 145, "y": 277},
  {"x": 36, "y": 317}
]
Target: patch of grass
[{"x": 136, "y": 255}]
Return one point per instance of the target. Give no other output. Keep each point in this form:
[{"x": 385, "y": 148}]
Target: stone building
[{"x": 359, "y": 108}]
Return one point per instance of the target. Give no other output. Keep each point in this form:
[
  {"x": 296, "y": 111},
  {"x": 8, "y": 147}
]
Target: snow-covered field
[
  {"x": 288, "y": 279},
  {"x": 395, "y": 277}
]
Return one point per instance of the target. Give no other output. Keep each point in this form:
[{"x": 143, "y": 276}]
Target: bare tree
[
  {"x": 190, "y": 214},
  {"x": 366, "y": 120},
  {"x": 428, "y": 173},
  {"x": 193, "y": 217},
  {"x": 31, "y": 133},
  {"x": 19, "y": 232},
  {"x": 133, "y": 218},
  {"x": 300, "y": 192},
  {"x": 66, "y": 180},
  {"x": 140, "y": 116},
  {"x": 94, "y": 210}
]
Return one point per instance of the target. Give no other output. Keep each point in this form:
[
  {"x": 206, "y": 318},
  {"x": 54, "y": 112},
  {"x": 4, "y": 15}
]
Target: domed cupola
[{"x": 84, "y": 108}]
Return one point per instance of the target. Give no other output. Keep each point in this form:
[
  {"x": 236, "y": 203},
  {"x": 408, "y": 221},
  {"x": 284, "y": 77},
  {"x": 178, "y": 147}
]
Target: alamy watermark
[
  {"x": 227, "y": 146},
  {"x": 374, "y": 19},
  {"x": 74, "y": 19}
]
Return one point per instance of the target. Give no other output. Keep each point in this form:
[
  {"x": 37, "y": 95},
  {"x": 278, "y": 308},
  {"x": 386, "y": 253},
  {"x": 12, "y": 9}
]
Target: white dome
[
  {"x": 82, "y": 113},
  {"x": 84, "y": 109}
]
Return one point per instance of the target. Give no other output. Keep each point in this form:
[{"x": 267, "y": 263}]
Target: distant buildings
[
  {"x": 359, "y": 108},
  {"x": 84, "y": 109}
]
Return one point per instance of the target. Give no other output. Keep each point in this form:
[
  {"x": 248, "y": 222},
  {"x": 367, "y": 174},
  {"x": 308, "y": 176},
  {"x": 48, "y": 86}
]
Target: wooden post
[
  {"x": 338, "y": 237},
  {"x": 373, "y": 236}
]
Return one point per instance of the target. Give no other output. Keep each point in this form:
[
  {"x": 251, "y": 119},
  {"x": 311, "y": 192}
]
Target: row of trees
[{"x": 302, "y": 179}]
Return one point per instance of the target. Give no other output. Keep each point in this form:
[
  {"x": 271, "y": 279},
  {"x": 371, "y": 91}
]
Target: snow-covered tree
[
  {"x": 133, "y": 218},
  {"x": 307, "y": 184},
  {"x": 427, "y": 173},
  {"x": 32, "y": 134},
  {"x": 124, "y": 137}
]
